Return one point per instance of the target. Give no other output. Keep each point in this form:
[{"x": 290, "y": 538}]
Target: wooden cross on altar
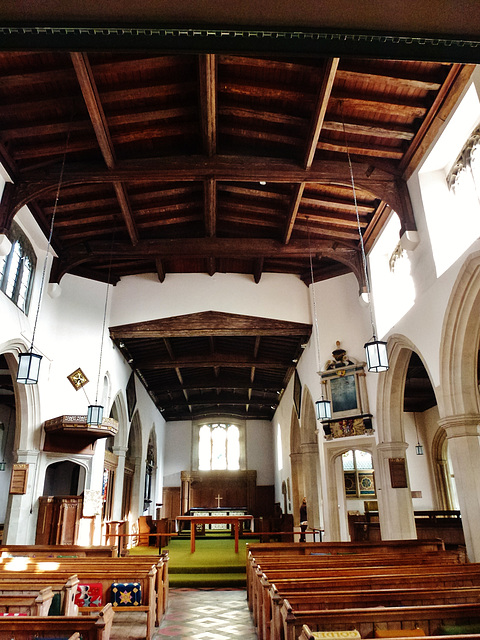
[{"x": 218, "y": 498}]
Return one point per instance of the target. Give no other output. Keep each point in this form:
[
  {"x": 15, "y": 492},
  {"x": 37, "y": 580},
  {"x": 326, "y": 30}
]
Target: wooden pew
[
  {"x": 34, "y": 604},
  {"x": 368, "y": 579},
  {"x": 334, "y": 577},
  {"x": 117, "y": 565},
  {"x": 98, "y": 570},
  {"x": 52, "y": 551},
  {"x": 307, "y": 634},
  {"x": 363, "y": 598},
  {"x": 96, "y": 627},
  {"x": 367, "y": 620},
  {"x": 268, "y": 562},
  {"x": 66, "y": 587},
  {"x": 383, "y": 546}
]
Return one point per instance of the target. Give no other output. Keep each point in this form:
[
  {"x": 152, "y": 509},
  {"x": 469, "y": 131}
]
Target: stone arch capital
[{"x": 460, "y": 426}]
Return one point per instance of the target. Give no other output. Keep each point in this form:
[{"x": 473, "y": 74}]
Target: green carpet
[{"x": 214, "y": 563}]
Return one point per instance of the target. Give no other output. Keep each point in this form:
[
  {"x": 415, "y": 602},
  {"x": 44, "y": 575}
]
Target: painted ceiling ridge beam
[{"x": 211, "y": 323}]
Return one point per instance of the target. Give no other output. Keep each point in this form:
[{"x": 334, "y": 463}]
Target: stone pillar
[
  {"x": 395, "y": 507},
  {"x": 120, "y": 452},
  {"x": 310, "y": 478},
  {"x": 464, "y": 448},
  {"x": 21, "y": 520}
]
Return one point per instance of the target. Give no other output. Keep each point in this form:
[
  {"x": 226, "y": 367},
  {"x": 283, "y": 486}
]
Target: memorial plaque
[{"x": 398, "y": 473}]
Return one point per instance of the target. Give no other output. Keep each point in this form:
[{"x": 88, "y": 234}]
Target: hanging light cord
[
  {"x": 50, "y": 236},
  {"x": 362, "y": 245},
  {"x": 104, "y": 317},
  {"x": 317, "y": 334}
]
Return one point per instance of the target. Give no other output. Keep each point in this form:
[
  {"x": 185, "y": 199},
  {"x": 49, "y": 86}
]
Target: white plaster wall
[
  {"x": 143, "y": 298},
  {"x": 260, "y": 451},
  {"x": 420, "y": 467},
  {"x": 177, "y": 452}
]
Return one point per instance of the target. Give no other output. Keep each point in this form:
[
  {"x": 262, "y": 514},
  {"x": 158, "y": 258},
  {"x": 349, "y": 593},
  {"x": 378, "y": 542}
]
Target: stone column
[
  {"x": 21, "y": 520},
  {"x": 120, "y": 452},
  {"x": 310, "y": 478},
  {"x": 464, "y": 448},
  {"x": 395, "y": 507}
]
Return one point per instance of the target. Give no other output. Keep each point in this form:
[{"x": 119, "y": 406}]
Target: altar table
[{"x": 194, "y": 520}]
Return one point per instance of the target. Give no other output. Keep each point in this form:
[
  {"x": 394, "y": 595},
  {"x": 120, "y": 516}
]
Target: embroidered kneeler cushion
[
  {"x": 337, "y": 634},
  {"x": 126, "y": 594},
  {"x": 13, "y": 614},
  {"x": 89, "y": 594}
]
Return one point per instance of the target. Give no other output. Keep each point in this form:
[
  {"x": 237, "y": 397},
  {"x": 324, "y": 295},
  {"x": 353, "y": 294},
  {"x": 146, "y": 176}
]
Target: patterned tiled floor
[{"x": 207, "y": 614}]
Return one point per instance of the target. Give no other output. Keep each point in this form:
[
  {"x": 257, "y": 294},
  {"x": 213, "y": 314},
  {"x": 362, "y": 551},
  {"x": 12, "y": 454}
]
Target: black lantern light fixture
[
  {"x": 28, "y": 361},
  {"x": 323, "y": 407},
  {"x": 375, "y": 350},
  {"x": 418, "y": 446}
]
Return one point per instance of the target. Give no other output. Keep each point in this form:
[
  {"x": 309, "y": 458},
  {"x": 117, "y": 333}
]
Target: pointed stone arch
[
  {"x": 310, "y": 460},
  {"x": 460, "y": 343},
  {"x": 296, "y": 465},
  {"x": 394, "y": 504},
  {"x": 460, "y": 401}
]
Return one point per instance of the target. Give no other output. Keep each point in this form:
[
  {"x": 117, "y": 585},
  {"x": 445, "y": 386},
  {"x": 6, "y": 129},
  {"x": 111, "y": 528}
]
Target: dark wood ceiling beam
[
  {"x": 458, "y": 77},
  {"x": 389, "y": 153},
  {"x": 153, "y": 116},
  {"x": 259, "y": 115},
  {"x": 258, "y": 270},
  {"x": 211, "y": 323},
  {"x": 211, "y": 266},
  {"x": 47, "y": 129},
  {"x": 193, "y": 387},
  {"x": 211, "y": 360},
  {"x": 90, "y": 94},
  {"x": 340, "y": 204},
  {"x": 95, "y": 109},
  {"x": 194, "y": 168},
  {"x": 122, "y": 196},
  {"x": 331, "y": 219},
  {"x": 208, "y": 101},
  {"x": 384, "y": 106},
  {"x": 394, "y": 81},
  {"x": 394, "y": 132},
  {"x": 251, "y": 133},
  {"x": 321, "y": 104},
  {"x": 210, "y": 207},
  {"x": 263, "y": 192},
  {"x": 215, "y": 247},
  {"x": 264, "y": 91},
  {"x": 375, "y": 181},
  {"x": 293, "y": 211},
  {"x": 160, "y": 270}
]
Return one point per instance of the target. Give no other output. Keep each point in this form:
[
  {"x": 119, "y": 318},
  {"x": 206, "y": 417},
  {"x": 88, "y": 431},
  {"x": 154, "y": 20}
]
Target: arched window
[
  {"x": 16, "y": 269},
  {"x": 218, "y": 447}
]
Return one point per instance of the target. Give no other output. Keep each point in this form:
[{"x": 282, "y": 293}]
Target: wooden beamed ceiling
[{"x": 170, "y": 163}]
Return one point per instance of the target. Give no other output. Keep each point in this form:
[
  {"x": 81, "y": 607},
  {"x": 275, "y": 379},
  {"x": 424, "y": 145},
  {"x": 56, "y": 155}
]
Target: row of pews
[
  {"x": 36, "y": 581},
  {"x": 405, "y": 588}
]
